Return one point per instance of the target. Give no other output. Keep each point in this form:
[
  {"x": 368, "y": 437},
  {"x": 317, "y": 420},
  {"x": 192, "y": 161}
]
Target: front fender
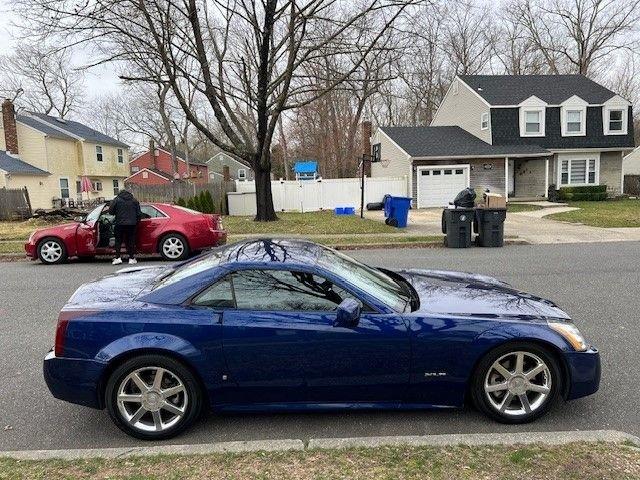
[{"x": 523, "y": 331}]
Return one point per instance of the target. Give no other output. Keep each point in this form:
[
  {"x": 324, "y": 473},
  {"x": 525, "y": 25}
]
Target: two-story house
[
  {"x": 237, "y": 170},
  {"x": 50, "y": 156},
  {"x": 155, "y": 167},
  {"x": 511, "y": 134}
]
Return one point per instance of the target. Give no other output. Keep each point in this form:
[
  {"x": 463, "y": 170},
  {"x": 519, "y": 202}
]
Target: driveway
[
  {"x": 531, "y": 227},
  {"x": 596, "y": 283}
]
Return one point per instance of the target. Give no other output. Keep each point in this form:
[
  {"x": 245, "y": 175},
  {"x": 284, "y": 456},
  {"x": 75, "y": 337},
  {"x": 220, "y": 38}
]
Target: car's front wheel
[
  {"x": 153, "y": 397},
  {"x": 51, "y": 251},
  {"x": 516, "y": 383},
  {"x": 174, "y": 247}
]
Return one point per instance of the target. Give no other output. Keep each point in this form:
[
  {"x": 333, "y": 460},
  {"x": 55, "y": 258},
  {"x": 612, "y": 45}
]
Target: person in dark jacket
[{"x": 127, "y": 211}]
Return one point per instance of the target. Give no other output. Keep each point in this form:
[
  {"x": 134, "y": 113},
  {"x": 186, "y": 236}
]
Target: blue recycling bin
[
  {"x": 386, "y": 205},
  {"x": 398, "y": 211}
]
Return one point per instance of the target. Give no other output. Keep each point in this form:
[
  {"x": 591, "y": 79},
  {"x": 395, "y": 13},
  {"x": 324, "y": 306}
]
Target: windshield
[
  {"x": 370, "y": 280},
  {"x": 192, "y": 267},
  {"x": 94, "y": 214}
]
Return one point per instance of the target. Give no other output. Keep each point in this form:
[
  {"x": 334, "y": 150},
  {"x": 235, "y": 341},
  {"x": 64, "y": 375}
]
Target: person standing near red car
[{"x": 126, "y": 210}]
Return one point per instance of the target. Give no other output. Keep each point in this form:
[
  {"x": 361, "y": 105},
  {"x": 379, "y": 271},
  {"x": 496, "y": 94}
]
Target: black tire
[
  {"x": 45, "y": 257},
  {"x": 174, "y": 237},
  {"x": 193, "y": 394},
  {"x": 444, "y": 223},
  {"x": 393, "y": 222},
  {"x": 480, "y": 397}
]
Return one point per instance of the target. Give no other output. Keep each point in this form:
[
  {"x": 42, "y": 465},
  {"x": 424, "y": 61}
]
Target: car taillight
[{"x": 61, "y": 329}]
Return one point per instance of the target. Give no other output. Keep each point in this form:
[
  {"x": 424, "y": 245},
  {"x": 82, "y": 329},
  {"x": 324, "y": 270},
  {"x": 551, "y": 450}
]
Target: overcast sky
[{"x": 98, "y": 80}]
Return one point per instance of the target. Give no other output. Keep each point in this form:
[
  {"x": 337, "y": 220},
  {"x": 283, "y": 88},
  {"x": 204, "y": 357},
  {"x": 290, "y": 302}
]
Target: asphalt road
[{"x": 596, "y": 283}]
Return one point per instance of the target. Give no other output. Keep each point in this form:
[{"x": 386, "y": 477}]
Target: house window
[
  {"x": 484, "y": 121},
  {"x": 96, "y": 185},
  {"x": 120, "y": 155},
  {"x": 532, "y": 122},
  {"x": 578, "y": 171},
  {"x": 99, "y": 156},
  {"x": 64, "y": 188},
  {"x": 78, "y": 186},
  {"x": 145, "y": 174},
  {"x": 615, "y": 120},
  {"x": 135, "y": 168},
  {"x": 574, "y": 123},
  {"x": 116, "y": 186},
  {"x": 242, "y": 174}
]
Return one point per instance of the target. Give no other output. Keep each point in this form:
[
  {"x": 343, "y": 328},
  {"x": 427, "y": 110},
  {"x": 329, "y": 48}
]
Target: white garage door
[{"x": 437, "y": 186}]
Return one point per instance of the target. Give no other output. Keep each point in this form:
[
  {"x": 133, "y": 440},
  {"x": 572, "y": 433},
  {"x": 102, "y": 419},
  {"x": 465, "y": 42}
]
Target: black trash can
[
  {"x": 489, "y": 226},
  {"x": 456, "y": 223}
]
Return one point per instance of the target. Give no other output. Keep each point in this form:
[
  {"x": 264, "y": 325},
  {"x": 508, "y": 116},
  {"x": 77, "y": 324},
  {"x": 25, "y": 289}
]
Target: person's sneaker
[
  {"x": 116, "y": 261},
  {"x": 132, "y": 261}
]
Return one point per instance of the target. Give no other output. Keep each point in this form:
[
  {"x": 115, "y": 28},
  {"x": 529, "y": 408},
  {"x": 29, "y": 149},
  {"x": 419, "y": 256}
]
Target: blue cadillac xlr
[{"x": 275, "y": 324}]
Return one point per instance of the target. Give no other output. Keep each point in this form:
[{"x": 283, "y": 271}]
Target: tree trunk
[{"x": 264, "y": 200}]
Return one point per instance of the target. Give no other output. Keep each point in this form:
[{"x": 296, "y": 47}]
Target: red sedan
[{"x": 170, "y": 230}]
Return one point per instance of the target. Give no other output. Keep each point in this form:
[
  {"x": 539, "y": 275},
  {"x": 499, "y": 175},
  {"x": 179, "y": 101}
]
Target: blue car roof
[{"x": 268, "y": 250}]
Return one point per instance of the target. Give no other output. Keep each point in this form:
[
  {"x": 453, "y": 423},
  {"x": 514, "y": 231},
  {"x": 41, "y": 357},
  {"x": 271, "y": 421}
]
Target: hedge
[{"x": 590, "y": 193}]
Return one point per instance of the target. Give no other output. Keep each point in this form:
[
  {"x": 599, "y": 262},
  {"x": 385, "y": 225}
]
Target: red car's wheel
[
  {"x": 51, "y": 250},
  {"x": 174, "y": 247}
]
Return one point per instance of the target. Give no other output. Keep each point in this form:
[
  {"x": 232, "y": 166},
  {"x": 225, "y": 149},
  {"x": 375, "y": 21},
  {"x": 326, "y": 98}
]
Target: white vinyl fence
[{"x": 314, "y": 195}]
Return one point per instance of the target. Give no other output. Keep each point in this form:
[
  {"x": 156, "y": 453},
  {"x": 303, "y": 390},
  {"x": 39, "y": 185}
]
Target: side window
[
  {"x": 219, "y": 295},
  {"x": 282, "y": 290},
  {"x": 150, "y": 212}
]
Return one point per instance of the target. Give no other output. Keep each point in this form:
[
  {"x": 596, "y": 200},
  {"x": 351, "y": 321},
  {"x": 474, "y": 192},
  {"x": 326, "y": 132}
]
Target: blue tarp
[{"x": 308, "y": 166}]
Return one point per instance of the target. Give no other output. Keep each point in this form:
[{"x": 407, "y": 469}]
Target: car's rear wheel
[
  {"x": 51, "y": 251},
  {"x": 153, "y": 397},
  {"x": 174, "y": 247},
  {"x": 516, "y": 383}
]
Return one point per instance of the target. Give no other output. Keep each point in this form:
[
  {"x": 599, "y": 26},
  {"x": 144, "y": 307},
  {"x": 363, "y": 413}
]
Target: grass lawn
[
  {"x": 582, "y": 461},
  {"x": 22, "y": 230},
  {"x": 521, "y": 207},
  {"x": 610, "y": 213},
  {"x": 363, "y": 240}
]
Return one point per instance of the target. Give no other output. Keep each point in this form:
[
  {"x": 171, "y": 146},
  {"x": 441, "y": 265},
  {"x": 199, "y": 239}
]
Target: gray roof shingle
[
  {"x": 553, "y": 89},
  {"x": 73, "y": 128},
  {"x": 14, "y": 165},
  {"x": 43, "y": 128},
  {"x": 445, "y": 141}
]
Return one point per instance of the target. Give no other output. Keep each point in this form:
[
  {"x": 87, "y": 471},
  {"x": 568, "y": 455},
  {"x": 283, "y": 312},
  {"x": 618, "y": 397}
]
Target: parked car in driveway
[
  {"x": 269, "y": 324},
  {"x": 170, "y": 230}
]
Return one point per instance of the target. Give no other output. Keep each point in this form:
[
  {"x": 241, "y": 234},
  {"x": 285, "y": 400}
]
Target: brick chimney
[
  {"x": 366, "y": 144},
  {"x": 152, "y": 152},
  {"x": 10, "y": 129}
]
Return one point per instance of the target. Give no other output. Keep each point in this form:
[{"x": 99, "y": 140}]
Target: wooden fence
[
  {"x": 14, "y": 203},
  {"x": 632, "y": 185},
  {"x": 170, "y": 193}
]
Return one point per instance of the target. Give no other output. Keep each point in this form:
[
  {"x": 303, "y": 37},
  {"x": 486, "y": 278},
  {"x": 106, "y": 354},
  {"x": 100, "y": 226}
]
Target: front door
[
  {"x": 281, "y": 345},
  {"x": 87, "y": 233}
]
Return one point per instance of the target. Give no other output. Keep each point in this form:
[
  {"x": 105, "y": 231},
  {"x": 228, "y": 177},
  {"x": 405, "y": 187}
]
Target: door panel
[
  {"x": 147, "y": 233},
  {"x": 265, "y": 355},
  {"x": 368, "y": 363},
  {"x": 86, "y": 239}
]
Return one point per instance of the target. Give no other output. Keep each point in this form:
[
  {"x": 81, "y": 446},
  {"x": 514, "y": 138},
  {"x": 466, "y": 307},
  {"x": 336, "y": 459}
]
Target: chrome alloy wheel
[
  {"x": 173, "y": 247},
  {"x": 517, "y": 383},
  {"x": 152, "y": 399},
  {"x": 51, "y": 251}
]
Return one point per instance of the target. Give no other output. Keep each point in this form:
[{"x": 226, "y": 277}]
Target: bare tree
[
  {"x": 249, "y": 56},
  {"x": 42, "y": 79},
  {"x": 576, "y": 36}
]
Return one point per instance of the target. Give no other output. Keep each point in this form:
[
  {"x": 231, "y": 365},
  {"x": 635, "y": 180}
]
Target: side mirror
[{"x": 348, "y": 313}]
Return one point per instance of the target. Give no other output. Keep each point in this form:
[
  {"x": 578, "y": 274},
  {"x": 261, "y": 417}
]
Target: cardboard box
[{"x": 493, "y": 200}]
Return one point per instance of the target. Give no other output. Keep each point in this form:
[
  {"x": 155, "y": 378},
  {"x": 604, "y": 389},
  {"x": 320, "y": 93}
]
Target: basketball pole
[{"x": 365, "y": 158}]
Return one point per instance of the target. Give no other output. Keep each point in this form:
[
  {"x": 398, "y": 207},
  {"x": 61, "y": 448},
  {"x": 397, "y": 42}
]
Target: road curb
[{"x": 472, "y": 439}]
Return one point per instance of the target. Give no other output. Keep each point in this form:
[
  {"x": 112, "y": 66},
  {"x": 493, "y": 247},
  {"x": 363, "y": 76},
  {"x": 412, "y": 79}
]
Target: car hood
[
  {"x": 456, "y": 293},
  {"x": 56, "y": 229},
  {"x": 122, "y": 286}
]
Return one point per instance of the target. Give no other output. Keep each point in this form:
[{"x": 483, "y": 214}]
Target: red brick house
[{"x": 154, "y": 167}]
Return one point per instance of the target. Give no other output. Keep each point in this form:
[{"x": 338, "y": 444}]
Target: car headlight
[{"x": 571, "y": 334}]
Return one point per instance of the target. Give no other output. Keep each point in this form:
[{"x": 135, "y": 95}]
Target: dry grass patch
[{"x": 582, "y": 461}]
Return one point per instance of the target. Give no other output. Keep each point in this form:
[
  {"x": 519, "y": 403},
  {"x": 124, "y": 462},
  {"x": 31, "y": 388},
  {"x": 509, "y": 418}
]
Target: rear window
[
  {"x": 193, "y": 267},
  {"x": 187, "y": 210}
]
